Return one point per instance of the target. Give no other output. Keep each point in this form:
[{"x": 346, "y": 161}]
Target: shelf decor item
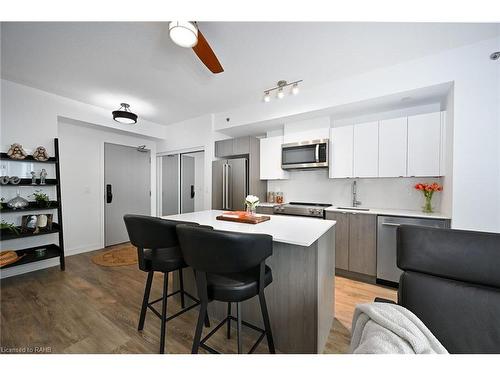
[
  {"x": 43, "y": 176},
  {"x": 36, "y": 223},
  {"x": 16, "y": 152},
  {"x": 251, "y": 201},
  {"x": 4, "y": 180},
  {"x": 14, "y": 180},
  {"x": 41, "y": 199},
  {"x": 17, "y": 202},
  {"x": 8, "y": 226},
  {"x": 9, "y": 257},
  {"x": 428, "y": 190},
  {"x": 40, "y": 154},
  {"x": 33, "y": 178}
]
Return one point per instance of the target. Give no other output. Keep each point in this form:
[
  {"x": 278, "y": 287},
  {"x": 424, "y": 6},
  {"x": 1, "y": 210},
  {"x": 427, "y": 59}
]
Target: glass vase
[
  {"x": 250, "y": 210},
  {"x": 428, "y": 205}
]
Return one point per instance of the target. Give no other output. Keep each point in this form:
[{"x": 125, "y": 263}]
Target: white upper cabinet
[
  {"x": 393, "y": 136},
  {"x": 366, "y": 149},
  {"x": 341, "y": 152},
  {"x": 424, "y": 143},
  {"x": 270, "y": 159}
]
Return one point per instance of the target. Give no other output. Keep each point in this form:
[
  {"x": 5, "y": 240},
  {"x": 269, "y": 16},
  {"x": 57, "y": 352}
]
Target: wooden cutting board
[{"x": 242, "y": 217}]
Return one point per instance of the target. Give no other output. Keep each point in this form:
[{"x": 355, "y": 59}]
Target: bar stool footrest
[
  {"x": 150, "y": 305},
  {"x": 221, "y": 324}
]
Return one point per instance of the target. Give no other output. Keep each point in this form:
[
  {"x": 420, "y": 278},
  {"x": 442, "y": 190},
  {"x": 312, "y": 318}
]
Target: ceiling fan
[{"x": 187, "y": 34}]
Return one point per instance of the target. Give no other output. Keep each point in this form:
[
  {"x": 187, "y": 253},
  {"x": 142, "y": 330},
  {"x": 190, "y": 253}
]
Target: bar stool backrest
[
  {"x": 217, "y": 251},
  {"x": 147, "y": 232}
]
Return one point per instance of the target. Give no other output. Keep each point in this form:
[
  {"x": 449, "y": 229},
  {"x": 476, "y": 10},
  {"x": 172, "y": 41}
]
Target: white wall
[
  {"x": 476, "y": 164},
  {"x": 82, "y": 182},
  {"x": 33, "y": 117}
]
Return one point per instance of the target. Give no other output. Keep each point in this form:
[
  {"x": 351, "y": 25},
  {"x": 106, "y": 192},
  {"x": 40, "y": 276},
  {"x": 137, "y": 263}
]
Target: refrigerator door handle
[
  {"x": 224, "y": 186},
  {"x": 228, "y": 191}
]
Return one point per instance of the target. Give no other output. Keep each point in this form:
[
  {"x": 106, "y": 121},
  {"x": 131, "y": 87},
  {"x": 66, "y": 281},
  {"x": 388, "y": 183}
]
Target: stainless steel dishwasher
[{"x": 387, "y": 270}]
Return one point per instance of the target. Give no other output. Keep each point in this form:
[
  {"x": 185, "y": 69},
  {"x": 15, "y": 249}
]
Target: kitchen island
[{"x": 301, "y": 297}]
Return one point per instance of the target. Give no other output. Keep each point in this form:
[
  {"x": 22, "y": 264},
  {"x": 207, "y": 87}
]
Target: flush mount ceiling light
[
  {"x": 183, "y": 33},
  {"x": 124, "y": 115},
  {"x": 280, "y": 89}
]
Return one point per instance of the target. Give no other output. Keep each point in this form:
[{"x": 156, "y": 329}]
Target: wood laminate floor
[{"x": 94, "y": 309}]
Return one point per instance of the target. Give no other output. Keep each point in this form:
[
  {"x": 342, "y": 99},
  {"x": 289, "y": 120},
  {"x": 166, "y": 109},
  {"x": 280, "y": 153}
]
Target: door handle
[
  {"x": 192, "y": 191},
  {"x": 316, "y": 153},
  {"x": 109, "y": 193},
  {"x": 391, "y": 224}
]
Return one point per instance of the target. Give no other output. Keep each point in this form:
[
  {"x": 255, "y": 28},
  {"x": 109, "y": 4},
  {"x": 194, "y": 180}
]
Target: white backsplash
[{"x": 315, "y": 186}]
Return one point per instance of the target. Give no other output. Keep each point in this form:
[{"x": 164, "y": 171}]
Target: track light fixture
[{"x": 280, "y": 90}]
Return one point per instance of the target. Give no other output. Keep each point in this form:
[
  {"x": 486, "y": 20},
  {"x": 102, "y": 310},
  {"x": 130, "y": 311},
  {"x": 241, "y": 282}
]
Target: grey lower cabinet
[{"x": 355, "y": 242}]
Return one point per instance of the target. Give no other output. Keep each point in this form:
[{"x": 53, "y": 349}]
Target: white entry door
[{"x": 127, "y": 188}]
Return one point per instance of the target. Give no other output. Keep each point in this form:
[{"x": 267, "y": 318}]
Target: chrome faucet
[{"x": 355, "y": 202}]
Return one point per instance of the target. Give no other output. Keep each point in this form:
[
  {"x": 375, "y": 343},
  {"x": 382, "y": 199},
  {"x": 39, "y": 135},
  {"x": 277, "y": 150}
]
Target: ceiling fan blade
[{"x": 206, "y": 55}]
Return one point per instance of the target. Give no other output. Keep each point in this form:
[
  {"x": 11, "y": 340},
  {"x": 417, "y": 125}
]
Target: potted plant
[
  {"x": 41, "y": 199},
  {"x": 251, "y": 201},
  {"x": 8, "y": 226},
  {"x": 428, "y": 190}
]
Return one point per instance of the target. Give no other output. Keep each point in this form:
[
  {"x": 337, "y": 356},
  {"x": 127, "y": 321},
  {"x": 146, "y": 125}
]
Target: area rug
[{"x": 123, "y": 256}]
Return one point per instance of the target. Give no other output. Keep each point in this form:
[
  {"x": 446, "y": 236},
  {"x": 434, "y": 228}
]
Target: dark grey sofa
[{"x": 451, "y": 281}]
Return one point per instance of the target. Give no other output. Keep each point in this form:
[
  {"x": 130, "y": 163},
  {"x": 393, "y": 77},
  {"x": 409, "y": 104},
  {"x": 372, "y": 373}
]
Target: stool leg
[
  {"x": 181, "y": 285},
  {"x": 164, "y": 313},
  {"x": 267, "y": 324},
  {"x": 229, "y": 320},
  {"x": 199, "y": 327},
  {"x": 238, "y": 313},
  {"x": 145, "y": 300},
  {"x": 207, "y": 320}
]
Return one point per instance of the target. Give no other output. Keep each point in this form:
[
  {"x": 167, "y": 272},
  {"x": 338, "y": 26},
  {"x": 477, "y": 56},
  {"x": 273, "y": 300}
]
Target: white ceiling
[{"x": 107, "y": 63}]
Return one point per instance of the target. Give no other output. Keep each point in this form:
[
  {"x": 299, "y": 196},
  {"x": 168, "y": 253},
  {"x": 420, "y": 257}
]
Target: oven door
[{"x": 304, "y": 155}]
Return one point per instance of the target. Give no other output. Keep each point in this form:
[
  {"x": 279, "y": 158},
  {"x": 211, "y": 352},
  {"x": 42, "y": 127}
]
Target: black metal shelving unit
[{"x": 28, "y": 255}]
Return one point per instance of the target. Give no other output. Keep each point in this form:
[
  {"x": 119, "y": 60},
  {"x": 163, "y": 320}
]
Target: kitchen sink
[{"x": 353, "y": 208}]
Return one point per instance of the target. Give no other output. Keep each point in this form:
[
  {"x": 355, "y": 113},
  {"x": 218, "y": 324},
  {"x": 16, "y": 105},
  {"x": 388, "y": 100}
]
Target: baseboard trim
[{"x": 355, "y": 276}]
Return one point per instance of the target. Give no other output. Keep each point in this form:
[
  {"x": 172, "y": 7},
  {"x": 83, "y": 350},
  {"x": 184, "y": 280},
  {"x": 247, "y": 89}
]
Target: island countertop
[{"x": 302, "y": 231}]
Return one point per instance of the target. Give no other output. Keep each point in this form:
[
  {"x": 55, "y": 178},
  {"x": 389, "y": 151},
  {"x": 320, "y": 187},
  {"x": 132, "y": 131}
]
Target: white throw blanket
[{"x": 385, "y": 328}]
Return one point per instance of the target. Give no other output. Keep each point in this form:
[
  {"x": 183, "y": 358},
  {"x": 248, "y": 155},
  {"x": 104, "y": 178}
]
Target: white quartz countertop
[
  {"x": 392, "y": 212},
  {"x": 302, "y": 231}
]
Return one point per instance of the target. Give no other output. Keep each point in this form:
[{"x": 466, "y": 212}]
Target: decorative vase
[
  {"x": 428, "y": 204},
  {"x": 251, "y": 210},
  {"x": 17, "y": 202}
]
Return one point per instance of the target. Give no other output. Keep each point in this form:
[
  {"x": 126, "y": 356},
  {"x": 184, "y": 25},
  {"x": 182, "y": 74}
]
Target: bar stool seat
[
  {"x": 164, "y": 259},
  {"x": 236, "y": 287}
]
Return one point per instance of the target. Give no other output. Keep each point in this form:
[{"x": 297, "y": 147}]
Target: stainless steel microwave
[{"x": 305, "y": 155}]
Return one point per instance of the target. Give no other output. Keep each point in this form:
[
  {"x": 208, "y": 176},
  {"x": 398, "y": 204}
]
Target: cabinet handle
[{"x": 391, "y": 224}]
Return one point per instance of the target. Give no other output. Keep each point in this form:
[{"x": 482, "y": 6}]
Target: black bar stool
[
  {"x": 229, "y": 267},
  {"x": 158, "y": 251}
]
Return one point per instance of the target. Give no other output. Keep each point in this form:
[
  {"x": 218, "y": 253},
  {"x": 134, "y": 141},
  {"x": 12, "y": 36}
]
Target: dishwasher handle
[{"x": 391, "y": 224}]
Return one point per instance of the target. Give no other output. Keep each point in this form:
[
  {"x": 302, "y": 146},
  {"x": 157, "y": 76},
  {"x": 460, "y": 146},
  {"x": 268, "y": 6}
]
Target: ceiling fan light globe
[{"x": 183, "y": 33}]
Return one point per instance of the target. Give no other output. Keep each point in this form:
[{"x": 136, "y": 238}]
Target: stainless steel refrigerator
[{"x": 229, "y": 184}]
